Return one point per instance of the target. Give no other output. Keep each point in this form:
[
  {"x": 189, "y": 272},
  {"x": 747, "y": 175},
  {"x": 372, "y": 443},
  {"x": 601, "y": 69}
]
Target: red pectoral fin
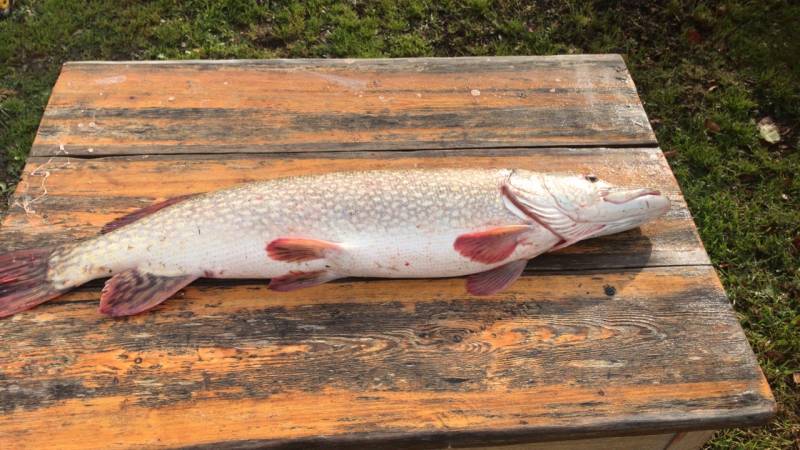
[
  {"x": 298, "y": 280},
  {"x": 495, "y": 280},
  {"x": 492, "y": 245},
  {"x": 299, "y": 249}
]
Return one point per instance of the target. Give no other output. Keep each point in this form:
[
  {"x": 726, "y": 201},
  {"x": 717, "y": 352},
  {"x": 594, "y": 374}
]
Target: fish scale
[
  {"x": 365, "y": 212},
  {"x": 306, "y": 230}
]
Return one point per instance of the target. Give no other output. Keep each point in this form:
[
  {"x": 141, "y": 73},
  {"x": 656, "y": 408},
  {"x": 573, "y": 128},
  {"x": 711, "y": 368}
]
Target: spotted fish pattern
[{"x": 307, "y": 230}]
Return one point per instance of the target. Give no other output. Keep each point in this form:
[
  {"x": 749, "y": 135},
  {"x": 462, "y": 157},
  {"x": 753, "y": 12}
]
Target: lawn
[{"x": 707, "y": 73}]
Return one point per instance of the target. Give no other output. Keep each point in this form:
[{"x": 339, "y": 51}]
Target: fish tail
[{"x": 23, "y": 280}]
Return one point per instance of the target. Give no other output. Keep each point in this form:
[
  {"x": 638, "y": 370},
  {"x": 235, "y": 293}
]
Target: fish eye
[{"x": 591, "y": 178}]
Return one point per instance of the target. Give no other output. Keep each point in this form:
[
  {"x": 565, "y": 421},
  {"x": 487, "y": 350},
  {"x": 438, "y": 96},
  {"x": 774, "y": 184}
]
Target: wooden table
[{"x": 628, "y": 340}]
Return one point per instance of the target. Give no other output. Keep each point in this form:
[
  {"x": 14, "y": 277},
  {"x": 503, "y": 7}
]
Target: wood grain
[
  {"x": 330, "y": 105},
  {"x": 552, "y": 357},
  {"x": 84, "y": 194}
]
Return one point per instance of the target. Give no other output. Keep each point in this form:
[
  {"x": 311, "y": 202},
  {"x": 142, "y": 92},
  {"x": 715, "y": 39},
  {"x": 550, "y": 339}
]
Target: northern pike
[{"x": 307, "y": 230}]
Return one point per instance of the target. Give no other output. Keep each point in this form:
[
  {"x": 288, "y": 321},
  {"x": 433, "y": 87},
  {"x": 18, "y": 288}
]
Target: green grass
[{"x": 707, "y": 72}]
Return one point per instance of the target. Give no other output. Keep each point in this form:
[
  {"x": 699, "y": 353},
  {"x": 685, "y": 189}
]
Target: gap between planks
[
  {"x": 487, "y": 151},
  {"x": 40, "y": 153}
]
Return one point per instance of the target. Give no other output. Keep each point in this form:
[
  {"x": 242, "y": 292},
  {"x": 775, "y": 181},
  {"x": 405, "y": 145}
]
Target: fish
[{"x": 304, "y": 231}]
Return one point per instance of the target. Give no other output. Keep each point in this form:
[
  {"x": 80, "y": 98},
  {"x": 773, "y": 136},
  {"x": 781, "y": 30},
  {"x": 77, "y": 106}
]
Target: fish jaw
[{"x": 632, "y": 208}]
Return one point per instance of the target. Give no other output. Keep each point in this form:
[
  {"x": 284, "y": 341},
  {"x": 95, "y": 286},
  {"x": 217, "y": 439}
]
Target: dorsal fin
[{"x": 139, "y": 213}]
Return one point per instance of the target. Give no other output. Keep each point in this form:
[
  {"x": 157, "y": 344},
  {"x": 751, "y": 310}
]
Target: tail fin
[{"x": 23, "y": 280}]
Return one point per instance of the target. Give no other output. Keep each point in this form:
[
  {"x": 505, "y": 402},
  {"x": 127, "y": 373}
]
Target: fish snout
[
  {"x": 624, "y": 209},
  {"x": 620, "y": 196}
]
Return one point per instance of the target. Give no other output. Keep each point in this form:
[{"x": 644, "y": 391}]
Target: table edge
[
  {"x": 753, "y": 417},
  {"x": 349, "y": 61}
]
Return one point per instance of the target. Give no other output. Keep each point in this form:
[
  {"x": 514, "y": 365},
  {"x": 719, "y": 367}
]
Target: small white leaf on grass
[{"x": 768, "y": 131}]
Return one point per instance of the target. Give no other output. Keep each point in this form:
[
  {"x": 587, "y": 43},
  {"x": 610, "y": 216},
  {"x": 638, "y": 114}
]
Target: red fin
[
  {"x": 298, "y": 280},
  {"x": 495, "y": 280},
  {"x": 298, "y": 249},
  {"x": 134, "y": 291},
  {"x": 138, "y": 214},
  {"x": 23, "y": 280},
  {"x": 490, "y": 246}
]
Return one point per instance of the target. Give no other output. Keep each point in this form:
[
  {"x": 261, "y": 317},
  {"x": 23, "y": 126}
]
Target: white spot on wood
[
  {"x": 110, "y": 80},
  {"x": 475, "y": 92},
  {"x": 171, "y": 98},
  {"x": 353, "y": 84},
  {"x": 596, "y": 363}
]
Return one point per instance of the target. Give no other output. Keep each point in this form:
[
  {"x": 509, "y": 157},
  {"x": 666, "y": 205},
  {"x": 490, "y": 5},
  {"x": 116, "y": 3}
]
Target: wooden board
[
  {"x": 691, "y": 440},
  {"x": 629, "y": 334},
  {"x": 286, "y": 105},
  {"x": 383, "y": 361}
]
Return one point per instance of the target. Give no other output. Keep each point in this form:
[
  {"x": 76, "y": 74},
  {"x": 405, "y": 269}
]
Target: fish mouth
[{"x": 625, "y": 196}]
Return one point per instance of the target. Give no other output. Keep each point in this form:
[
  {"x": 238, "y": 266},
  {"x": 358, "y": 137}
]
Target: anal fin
[
  {"x": 490, "y": 246},
  {"x": 135, "y": 291},
  {"x": 292, "y": 249},
  {"x": 299, "y": 280},
  {"x": 495, "y": 280}
]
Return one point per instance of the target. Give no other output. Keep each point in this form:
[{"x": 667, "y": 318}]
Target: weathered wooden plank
[
  {"x": 331, "y": 105},
  {"x": 689, "y": 440},
  {"x": 84, "y": 194},
  {"x": 359, "y": 362},
  {"x": 692, "y": 440}
]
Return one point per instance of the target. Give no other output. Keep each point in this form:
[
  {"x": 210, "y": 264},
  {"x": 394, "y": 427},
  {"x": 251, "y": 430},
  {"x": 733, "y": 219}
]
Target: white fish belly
[
  {"x": 422, "y": 256},
  {"x": 401, "y": 255}
]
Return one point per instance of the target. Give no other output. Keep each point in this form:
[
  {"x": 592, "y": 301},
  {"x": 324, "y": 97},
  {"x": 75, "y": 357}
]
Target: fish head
[{"x": 577, "y": 207}]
